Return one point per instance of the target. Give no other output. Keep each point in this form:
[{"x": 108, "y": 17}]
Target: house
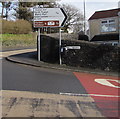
[
  {"x": 119, "y": 4},
  {"x": 102, "y": 23}
]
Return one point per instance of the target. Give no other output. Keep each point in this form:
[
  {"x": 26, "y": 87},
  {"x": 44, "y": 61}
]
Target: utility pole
[
  {"x": 119, "y": 21},
  {"x": 84, "y": 18},
  {"x": 119, "y": 26}
]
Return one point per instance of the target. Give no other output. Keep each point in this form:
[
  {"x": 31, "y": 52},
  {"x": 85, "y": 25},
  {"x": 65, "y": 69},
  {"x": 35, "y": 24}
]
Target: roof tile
[{"x": 105, "y": 14}]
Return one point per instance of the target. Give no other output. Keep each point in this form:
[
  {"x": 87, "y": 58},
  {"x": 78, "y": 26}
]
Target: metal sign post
[
  {"x": 39, "y": 44},
  {"x": 60, "y": 47}
]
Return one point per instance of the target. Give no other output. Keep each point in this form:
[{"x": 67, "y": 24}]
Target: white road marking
[
  {"x": 98, "y": 95},
  {"x": 107, "y": 83}
]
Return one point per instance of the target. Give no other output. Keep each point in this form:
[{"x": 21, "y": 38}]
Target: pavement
[
  {"x": 29, "y": 57},
  {"x": 31, "y": 104}
]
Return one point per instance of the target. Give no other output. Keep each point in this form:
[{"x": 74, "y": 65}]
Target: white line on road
[{"x": 99, "y": 95}]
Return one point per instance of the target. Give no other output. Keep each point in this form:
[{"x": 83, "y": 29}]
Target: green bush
[{"x": 16, "y": 27}]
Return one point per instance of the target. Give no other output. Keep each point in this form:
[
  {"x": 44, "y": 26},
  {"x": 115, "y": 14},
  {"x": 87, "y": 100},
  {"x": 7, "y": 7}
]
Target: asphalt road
[
  {"x": 19, "y": 82},
  {"x": 27, "y": 78}
]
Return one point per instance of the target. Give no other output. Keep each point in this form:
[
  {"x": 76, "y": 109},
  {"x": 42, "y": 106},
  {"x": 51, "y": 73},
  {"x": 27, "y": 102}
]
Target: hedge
[
  {"x": 91, "y": 55},
  {"x": 16, "y": 27}
]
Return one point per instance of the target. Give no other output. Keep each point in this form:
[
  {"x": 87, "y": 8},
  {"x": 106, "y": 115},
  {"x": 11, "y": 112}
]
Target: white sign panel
[
  {"x": 73, "y": 47},
  {"x": 49, "y": 17}
]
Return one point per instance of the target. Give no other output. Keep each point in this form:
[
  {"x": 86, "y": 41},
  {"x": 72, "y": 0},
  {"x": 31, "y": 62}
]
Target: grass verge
[{"x": 14, "y": 40}]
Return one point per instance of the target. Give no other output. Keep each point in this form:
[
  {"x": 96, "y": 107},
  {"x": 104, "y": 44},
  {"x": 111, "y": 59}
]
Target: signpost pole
[
  {"x": 119, "y": 27},
  {"x": 39, "y": 44},
  {"x": 60, "y": 47}
]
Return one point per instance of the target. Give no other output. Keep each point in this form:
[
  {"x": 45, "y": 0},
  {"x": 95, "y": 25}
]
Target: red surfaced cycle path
[{"x": 104, "y": 90}]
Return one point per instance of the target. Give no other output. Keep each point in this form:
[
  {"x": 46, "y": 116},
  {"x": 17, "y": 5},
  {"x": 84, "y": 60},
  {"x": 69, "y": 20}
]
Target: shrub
[
  {"x": 106, "y": 37},
  {"x": 16, "y": 27},
  {"x": 83, "y": 37},
  {"x": 91, "y": 55}
]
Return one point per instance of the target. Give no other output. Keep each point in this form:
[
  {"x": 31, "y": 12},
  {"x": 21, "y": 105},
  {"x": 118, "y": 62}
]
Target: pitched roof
[{"x": 105, "y": 14}]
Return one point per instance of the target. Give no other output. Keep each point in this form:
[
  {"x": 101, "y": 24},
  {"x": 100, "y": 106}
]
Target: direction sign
[{"x": 49, "y": 17}]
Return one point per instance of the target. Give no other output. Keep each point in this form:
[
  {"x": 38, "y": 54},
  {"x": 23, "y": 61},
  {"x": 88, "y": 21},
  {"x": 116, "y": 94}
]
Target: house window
[{"x": 108, "y": 25}]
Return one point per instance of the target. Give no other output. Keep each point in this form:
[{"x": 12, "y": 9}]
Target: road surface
[{"x": 69, "y": 94}]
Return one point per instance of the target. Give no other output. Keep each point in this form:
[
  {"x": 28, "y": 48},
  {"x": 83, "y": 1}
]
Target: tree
[
  {"x": 6, "y": 7},
  {"x": 75, "y": 18},
  {"x": 24, "y": 9}
]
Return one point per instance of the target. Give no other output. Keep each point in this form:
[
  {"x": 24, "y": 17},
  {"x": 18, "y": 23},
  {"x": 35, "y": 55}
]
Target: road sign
[
  {"x": 49, "y": 17},
  {"x": 70, "y": 48},
  {"x": 73, "y": 47}
]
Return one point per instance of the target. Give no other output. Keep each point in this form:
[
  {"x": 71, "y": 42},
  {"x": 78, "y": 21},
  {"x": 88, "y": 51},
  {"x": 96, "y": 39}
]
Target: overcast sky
[{"x": 93, "y": 5}]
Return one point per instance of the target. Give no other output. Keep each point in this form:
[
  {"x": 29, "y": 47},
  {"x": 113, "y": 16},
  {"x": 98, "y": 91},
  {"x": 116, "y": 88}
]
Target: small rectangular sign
[
  {"x": 73, "y": 47},
  {"x": 46, "y": 23}
]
